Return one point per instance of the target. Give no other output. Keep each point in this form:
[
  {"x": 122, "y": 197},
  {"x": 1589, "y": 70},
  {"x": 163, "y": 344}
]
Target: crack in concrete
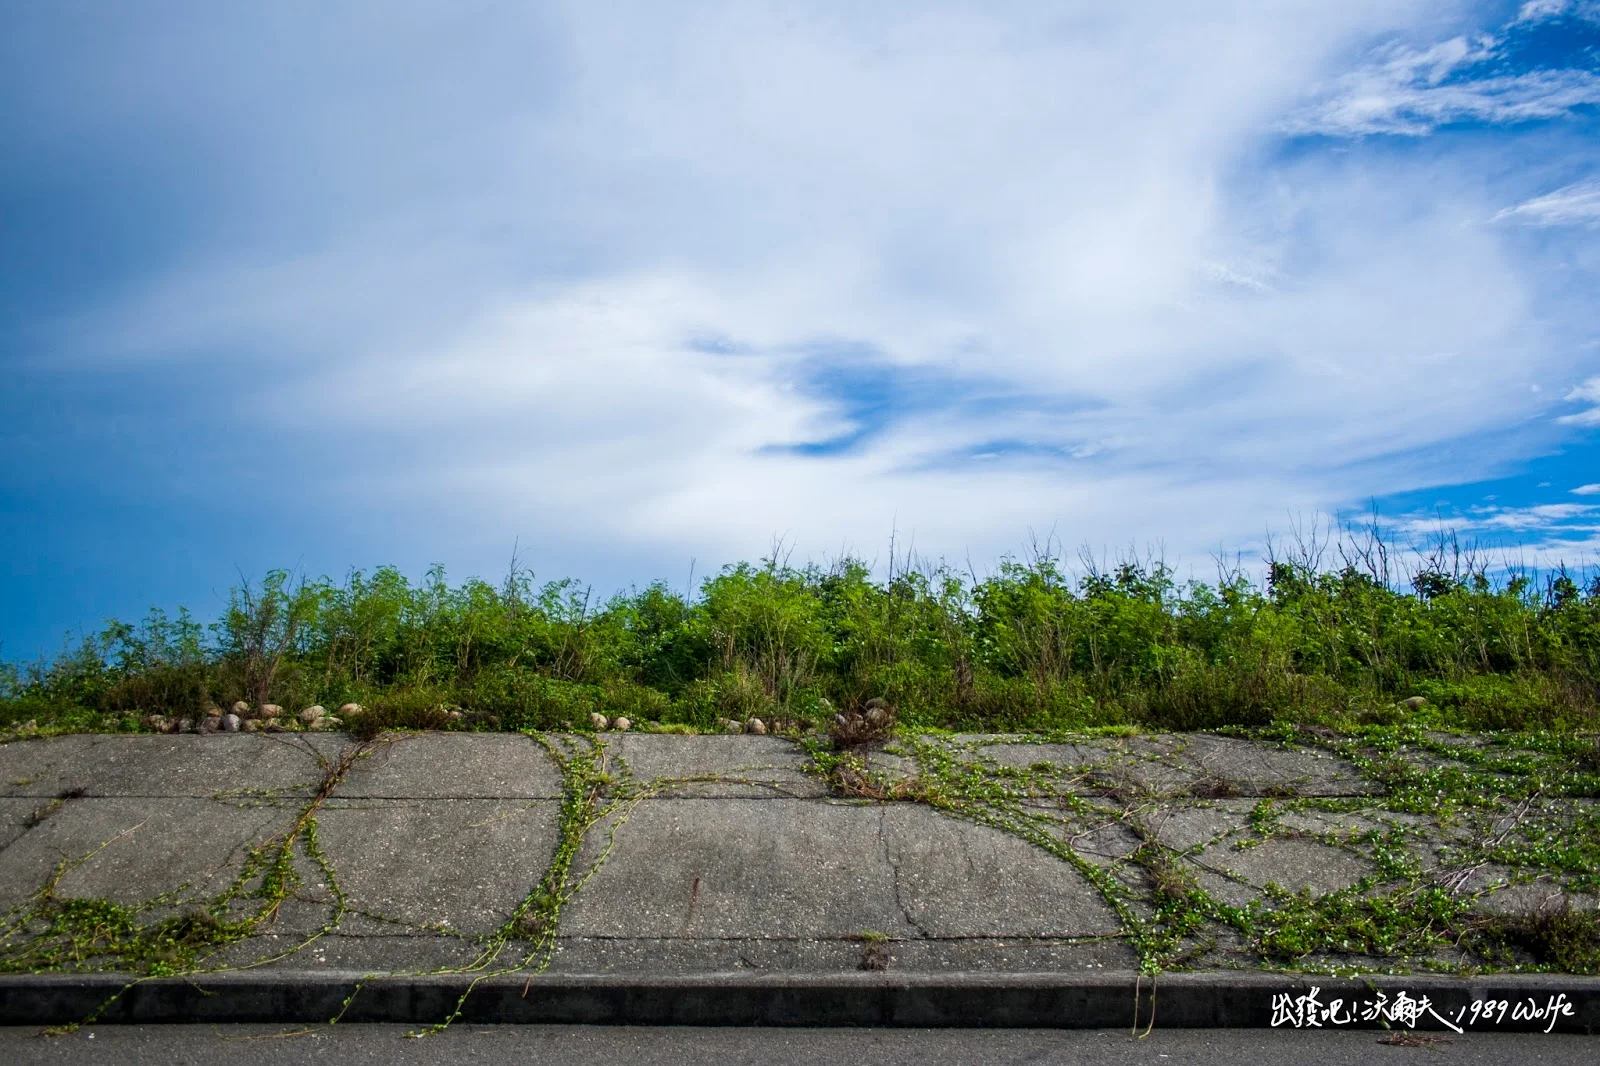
[{"x": 894, "y": 870}]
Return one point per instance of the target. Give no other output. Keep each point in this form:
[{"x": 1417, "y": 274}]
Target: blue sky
[{"x": 633, "y": 284}]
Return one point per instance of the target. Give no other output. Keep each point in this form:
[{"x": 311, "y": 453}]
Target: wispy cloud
[
  {"x": 1587, "y": 490},
  {"x": 1404, "y": 89},
  {"x": 1541, "y": 516},
  {"x": 1570, "y": 204},
  {"x": 1534, "y": 11},
  {"x": 1588, "y": 392}
]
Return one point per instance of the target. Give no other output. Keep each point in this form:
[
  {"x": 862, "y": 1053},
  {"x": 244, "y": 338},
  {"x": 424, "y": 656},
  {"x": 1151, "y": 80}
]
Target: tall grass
[{"x": 1033, "y": 646}]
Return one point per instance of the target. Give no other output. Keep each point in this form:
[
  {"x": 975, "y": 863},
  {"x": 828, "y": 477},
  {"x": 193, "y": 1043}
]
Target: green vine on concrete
[
  {"x": 1502, "y": 802},
  {"x": 54, "y": 932}
]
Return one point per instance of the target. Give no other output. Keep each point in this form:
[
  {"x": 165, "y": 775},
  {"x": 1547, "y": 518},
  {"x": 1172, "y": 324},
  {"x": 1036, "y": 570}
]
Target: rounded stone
[
  {"x": 351, "y": 709},
  {"x": 756, "y": 726},
  {"x": 598, "y": 720},
  {"x": 621, "y": 725},
  {"x": 241, "y": 708},
  {"x": 230, "y": 723},
  {"x": 270, "y": 710},
  {"x": 325, "y": 723},
  {"x": 312, "y": 713},
  {"x": 158, "y": 722},
  {"x": 1411, "y": 703}
]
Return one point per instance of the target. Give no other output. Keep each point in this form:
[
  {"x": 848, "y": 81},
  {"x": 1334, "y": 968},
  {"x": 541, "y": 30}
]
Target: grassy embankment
[{"x": 1031, "y": 647}]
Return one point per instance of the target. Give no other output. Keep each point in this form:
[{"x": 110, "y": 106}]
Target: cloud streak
[
  {"x": 1575, "y": 204},
  {"x": 1589, "y": 393}
]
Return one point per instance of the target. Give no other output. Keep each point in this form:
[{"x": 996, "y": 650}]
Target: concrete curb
[{"x": 1042, "y": 1000}]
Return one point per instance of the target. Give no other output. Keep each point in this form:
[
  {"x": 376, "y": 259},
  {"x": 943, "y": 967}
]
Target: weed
[
  {"x": 874, "y": 950},
  {"x": 1560, "y": 938},
  {"x": 858, "y": 727}
]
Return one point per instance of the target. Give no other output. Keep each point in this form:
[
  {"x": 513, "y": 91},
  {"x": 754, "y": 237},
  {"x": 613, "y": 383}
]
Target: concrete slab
[
  {"x": 958, "y": 879},
  {"x": 1540, "y": 896},
  {"x": 361, "y": 954},
  {"x": 1154, "y": 765},
  {"x": 460, "y": 863},
  {"x": 1102, "y": 842},
  {"x": 1067, "y": 756},
  {"x": 1264, "y": 768},
  {"x": 605, "y": 955},
  {"x": 740, "y": 868},
  {"x": 16, "y": 816},
  {"x": 455, "y": 765},
  {"x": 1184, "y": 827},
  {"x": 1295, "y": 863},
  {"x": 131, "y": 849},
  {"x": 179, "y": 765},
  {"x": 891, "y": 767},
  {"x": 753, "y": 767}
]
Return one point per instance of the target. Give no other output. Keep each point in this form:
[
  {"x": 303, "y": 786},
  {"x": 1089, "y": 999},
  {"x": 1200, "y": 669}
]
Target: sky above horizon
[{"x": 627, "y": 285}]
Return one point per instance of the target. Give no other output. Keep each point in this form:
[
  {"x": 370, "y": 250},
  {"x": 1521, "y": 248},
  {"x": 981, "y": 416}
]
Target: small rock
[
  {"x": 599, "y": 721},
  {"x": 325, "y": 723},
  {"x": 351, "y": 709},
  {"x": 230, "y": 723},
  {"x": 272, "y": 725},
  {"x": 731, "y": 726},
  {"x": 207, "y": 726},
  {"x": 621, "y": 725},
  {"x": 158, "y": 722},
  {"x": 877, "y": 717},
  {"x": 250, "y": 725},
  {"x": 841, "y": 721},
  {"x": 1411, "y": 703},
  {"x": 312, "y": 713},
  {"x": 756, "y": 726},
  {"x": 213, "y": 712},
  {"x": 454, "y": 716},
  {"x": 270, "y": 710},
  {"x": 876, "y": 701},
  {"x": 242, "y": 709}
]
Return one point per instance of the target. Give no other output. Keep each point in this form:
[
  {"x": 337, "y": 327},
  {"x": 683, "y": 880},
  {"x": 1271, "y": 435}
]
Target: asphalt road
[{"x": 387, "y": 1045}]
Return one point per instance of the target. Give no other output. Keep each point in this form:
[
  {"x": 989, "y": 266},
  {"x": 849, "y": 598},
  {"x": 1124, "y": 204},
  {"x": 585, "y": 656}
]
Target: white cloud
[
  {"x": 1541, "y": 516},
  {"x": 1543, "y": 535},
  {"x": 1543, "y": 10},
  {"x": 1540, "y": 10},
  {"x": 1587, "y": 392},
  {"x": 1576, "y": 203},
  {"x": 1069, "y": 207},
  {"x": 1407, "y": 90},
  {"x": 1587, "y": 490}
]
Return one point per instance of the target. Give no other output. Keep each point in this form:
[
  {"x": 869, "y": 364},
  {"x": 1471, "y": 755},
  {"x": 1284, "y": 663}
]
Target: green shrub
[{"x": 1030, "y": 647}]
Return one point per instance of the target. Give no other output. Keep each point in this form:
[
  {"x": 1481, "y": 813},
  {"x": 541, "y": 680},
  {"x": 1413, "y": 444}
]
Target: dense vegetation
[{"x": 1030, "y": 647}]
